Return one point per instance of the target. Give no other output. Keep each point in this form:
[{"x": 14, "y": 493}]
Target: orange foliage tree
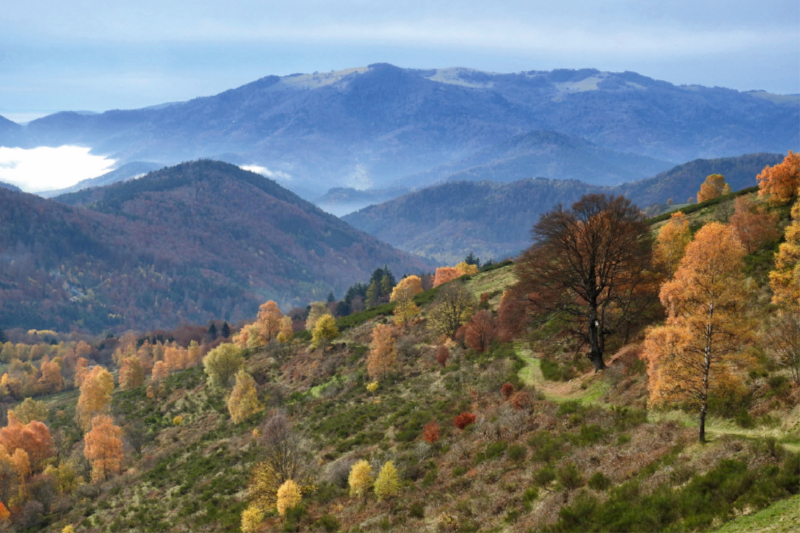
[
  {"x": 671, "y": 242},
  {"x": 753, "y": 225},
  {"x": 175, "y": 358},
  {"x": 480, "y": 331},
  {"x": 785, "y": 279},
  {"x": 697, "y": 349},
  {"x": 269, "y": 321},
  {"x": 4, "y": 514},
  {"x": 383, "y": 355},
  {"x": 445, "y": 275},
  {"x": 713, "y": 187},
  {"x": 95, "y": 395},
  {"x": 103, "y": 448},
  {"x": 33, "y": 438},
  {"x": 51, "y": 380},
  {"x": 780, "y": 183},
  {"x": 131, "y": 374}
]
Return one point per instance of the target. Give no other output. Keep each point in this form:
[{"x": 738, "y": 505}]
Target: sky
[{"x": 95, "y": 55}]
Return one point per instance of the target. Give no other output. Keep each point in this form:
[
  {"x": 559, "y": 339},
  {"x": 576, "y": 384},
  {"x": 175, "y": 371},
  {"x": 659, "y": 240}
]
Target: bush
[
  {"x": 517, "y": 452},
  {"x": 544, "y": 476},
  {"x": 599, "y": 481},
  {"x": 569, "y": 477},
  {"x": 328, "y": 523},
  {"x": 417, "y": 510},
  {"x": 463, "y": 420}
]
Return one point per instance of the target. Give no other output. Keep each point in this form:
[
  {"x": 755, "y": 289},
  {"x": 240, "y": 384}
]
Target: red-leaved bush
[
  {"x": 507, "y": 389},
  {"x": 463, "y": 420},
  {"x": 430, "y": 433},
  {"x": 442, "y": 355}
]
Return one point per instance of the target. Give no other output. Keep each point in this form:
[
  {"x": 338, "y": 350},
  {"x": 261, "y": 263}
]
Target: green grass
[{"x": 780, "y": 517}]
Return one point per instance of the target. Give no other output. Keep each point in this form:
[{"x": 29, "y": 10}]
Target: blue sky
[{"x": 97, "y": 55}]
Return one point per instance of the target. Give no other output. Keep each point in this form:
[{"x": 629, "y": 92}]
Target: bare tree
[
  {"x": 589, "y": 269},
  {"x": 452, "y": 309}
]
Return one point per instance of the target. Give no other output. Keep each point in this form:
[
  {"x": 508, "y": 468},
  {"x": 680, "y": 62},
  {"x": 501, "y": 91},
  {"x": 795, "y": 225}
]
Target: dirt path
[{"x": 590, "y": 387}]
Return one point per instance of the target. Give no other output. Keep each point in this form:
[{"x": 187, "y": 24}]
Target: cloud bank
[{"x": 44, "y": 168}]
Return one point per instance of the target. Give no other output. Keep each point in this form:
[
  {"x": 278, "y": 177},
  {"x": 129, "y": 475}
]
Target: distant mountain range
[
  {"x": 493, "y": 220},
  {"x": 383, "y": 127},
  {"x": 198, "y": 241}
]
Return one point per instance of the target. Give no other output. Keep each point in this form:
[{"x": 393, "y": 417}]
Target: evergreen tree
[
  {"x": 472, "y": 260},
  {"x": 372, "y": 295},
  {"x": 226, "y": 330},
  {"x": 331, "y": 297},
  {"x": 212, "y": 332},
  {"x": 2, "y": 336}
]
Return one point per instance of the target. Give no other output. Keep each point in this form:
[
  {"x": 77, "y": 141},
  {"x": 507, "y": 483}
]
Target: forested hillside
[
  {"x": 190, "y": 243},
  {"x": 666, "y": 400},
  {"x": 493, "y": 220}
]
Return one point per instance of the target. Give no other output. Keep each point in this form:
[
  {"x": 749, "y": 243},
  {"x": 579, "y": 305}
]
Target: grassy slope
[{"x": 781, "y": 517}]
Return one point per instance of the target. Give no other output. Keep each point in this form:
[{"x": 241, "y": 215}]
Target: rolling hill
[
  {"x": 493, "y": 220},
  {"x": 369, "y": 127},
  {"x": 189, "y": 243}
]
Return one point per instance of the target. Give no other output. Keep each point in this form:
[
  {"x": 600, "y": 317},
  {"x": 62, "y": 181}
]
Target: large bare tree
[{"x": 588, "y": 268}]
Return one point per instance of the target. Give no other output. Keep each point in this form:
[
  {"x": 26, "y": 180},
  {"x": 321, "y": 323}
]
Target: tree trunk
[
  {"x": 596, "y": 353},
  {"x": 703, "y": 425}
]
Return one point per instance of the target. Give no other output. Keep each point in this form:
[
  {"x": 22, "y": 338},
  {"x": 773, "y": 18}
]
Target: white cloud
[
  {"x": 44, "y": 168},
  {"x": 264, "y": 171}
]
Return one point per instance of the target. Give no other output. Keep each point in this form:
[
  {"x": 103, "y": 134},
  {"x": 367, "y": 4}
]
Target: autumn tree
[
  {"x": 5, "y": 515},
  {"x": 360, "y": 478},
  {"x": 697, "y": 349},
  {"x": 589, "y": 269},
  {"x": 785, "y": 278},
  {"x": 387, "y": 484},
  {"x": 673, "y": 237},
  {"x": 95, "y": 395},
  {"x": 222, "y": 363},
  {"x": 103, "y": 448},
  {"x": 403, "y": 296},
  {"x": 451, "y": 309},
  {"x": 30, "y": 409},
  {"x": 442, "y": 355},
  {"x": 480, "y": 331},
  {"x": 713, "y": 187},
  {"x": 783, "y": 338},
  {"x": 243, "y": 402},
  {"x": 81, "y": 371},
  {"x": 51, "y": 380},
  {"x": 316, "y": 311},
  {"x": 286, "y": 331},
  {"x": 175, "y": 358},
  {"x": 412, "y": 284},
  {"x": 445, "y": 275},
  {"x": 284, "y": 457},
  {"x": 9, "y": 477},
  {"x": 753, "y": 224},
  {"x": 466, "y": 269},
  {"x": 269, "y": 321},
  {"x": 325, "y": 331},
  {"x": 463, "y": 420},
  {"x": 780, "y": 183},
  {"x": 288, "y": 496},
  {"x": 131, "y": 374},
  {"x": 252, "y": 517},
  {"x": 383, "y": 353},
  {"x": 33, "y": 438}
]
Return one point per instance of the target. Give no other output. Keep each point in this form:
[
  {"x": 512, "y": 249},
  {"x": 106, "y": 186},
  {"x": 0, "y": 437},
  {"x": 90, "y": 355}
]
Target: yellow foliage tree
[
  {"x": 243, "y": 402},
  {"x": 466, "y": 269},
  {"x": 781, "y": 183},
  {"x": 325, "y": 330},
  {"x": 288, "y": 496},
  {"x": 671, "y": 242},
  {"x": 713, "y": 187},
  {"x": 409, "y": 284},
  {"x": 785, "y": 279},
  {"x": 31, "y": 409},
  {"x": 252, "y": 517},
  {"x": 697, "y": 349},
  {"x": 383, "y": 354},
  {"x": 387, "y": 484},
  {"x": 287, "y": 332},
  {"x": 360, "y": 478},
  {"x": 131, "y": 374},
  {"x": 403, "y": 297},
  {"x": 222, "y": 363},
  {"x": 317, "y": 311}
]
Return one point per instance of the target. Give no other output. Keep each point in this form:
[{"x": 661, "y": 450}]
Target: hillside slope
[
  {"x": 494, "y": 220},
  {"x": 367, "y": 127},
  {"x": 197, "y": 241}
]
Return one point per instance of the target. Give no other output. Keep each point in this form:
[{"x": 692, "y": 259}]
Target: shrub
[
  {"x": 569, "y": 477},
  {"x": 442, "y": 355},
  {"x": 417, "y": 510},
  {"x": 598, "y": 481},
  {"x": 430, "y": 433},
  {"x": 507, "y": 390},
  {"x": 517, "y": 452},
  {"x": 544, "y": 476},
  {"x": 463, "y": 420},
  {"x": 328, "y": 523},
  {"x": 520, "y": 400}
]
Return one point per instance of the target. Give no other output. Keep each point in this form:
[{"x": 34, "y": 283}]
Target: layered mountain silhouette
[
  {"x": 372, "y": 127},
  {"x": 189, "y": 243},
  {"x": 494, "y": 220}
]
